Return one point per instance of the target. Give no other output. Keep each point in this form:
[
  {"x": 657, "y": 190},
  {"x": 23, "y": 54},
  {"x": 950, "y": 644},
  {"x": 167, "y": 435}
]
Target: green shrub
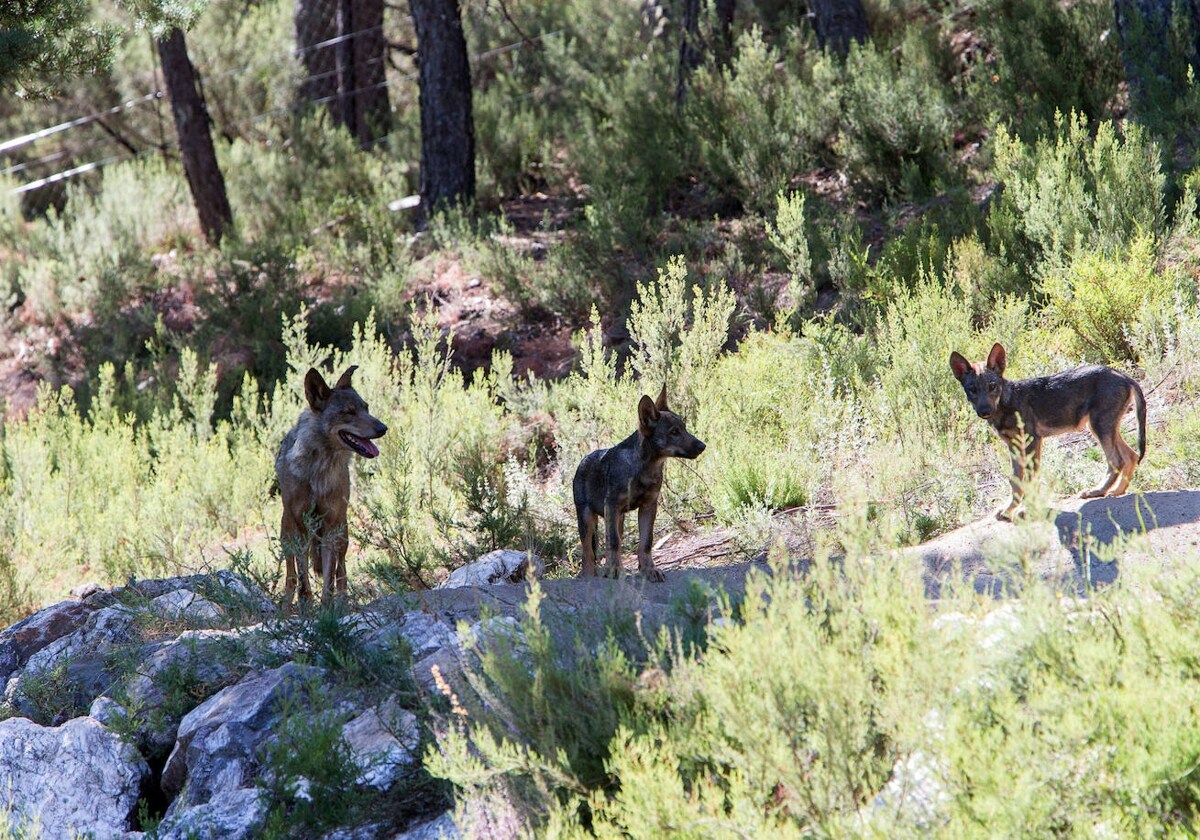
[
  {"x": 1044, "y": 59},
  {"x": 309, "y": 775},
  {"x": 790, "y": 238},
  {"x": 1075, "y": 192},
  {"x": 1101, "y": 300},
  {"x": 897, "y": 114},
  {"x": 95, "y": 255},
  {"x": 519, "y": 727},
  {"x": 757, "y": 124}
]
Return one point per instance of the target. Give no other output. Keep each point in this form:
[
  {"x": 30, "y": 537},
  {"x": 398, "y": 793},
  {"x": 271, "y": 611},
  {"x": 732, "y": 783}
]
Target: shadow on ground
[{"x": 1082, "y": 545}]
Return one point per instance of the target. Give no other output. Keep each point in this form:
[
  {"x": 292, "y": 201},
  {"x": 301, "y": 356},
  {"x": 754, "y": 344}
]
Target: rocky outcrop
[
  {"x": 502, "y": 566},
  {"x": 230, "y": 815},
  {"x": 218, "y": 741},
  {"x": 184, "y": 692},
  {"x": 74, "y": 779}
]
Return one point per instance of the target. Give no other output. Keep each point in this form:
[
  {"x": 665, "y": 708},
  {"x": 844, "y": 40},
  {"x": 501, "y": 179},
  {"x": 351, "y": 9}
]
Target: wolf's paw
[
  {"x": 1005, "y": 515},
  {"x": 1094, "y": 493},
  {"x": 652, "y": 574}
]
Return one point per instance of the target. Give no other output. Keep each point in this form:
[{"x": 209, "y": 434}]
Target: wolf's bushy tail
[{"x": 1141, "y": 418}]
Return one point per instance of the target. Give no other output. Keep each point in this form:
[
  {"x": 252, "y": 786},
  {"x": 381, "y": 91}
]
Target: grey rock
[
  {"x": 103, "y": 630},
  {"x": 383, "y": 742},
  {"x": 205, "y": 656},
  {"x": 86, "y": 590},
  {"x": 107, "y": 711},
  {"x": 915, "y": 793},
  {"x": 424, "y": 633},
  {"x": 27, "y": 637},
  {"x": 185, "y": 605},
  {"x": 75, "y": 778},
  {"x": 502, "y": 566},
  {"x": 228, "y": 815},
  {"x": 217, "y": 742},
  {"x": 362, "y": 832},
  {"x": 439, "y": 828}
]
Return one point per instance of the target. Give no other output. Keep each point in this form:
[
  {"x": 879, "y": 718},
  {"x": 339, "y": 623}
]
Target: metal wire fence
[{"x": 337, "y": 55}]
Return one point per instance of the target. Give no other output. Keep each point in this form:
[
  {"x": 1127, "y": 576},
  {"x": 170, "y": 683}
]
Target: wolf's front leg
[
  {"x": 613, "y": 522},
  {"x": 587, "y": 538},
  {"x": 646, "y": 515}
]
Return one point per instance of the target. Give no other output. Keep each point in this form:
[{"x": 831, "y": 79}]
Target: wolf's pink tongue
[{"x": 370, "y": 449}]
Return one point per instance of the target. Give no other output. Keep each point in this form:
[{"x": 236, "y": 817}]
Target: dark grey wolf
[
  {"x": 313, "y": 470},
  {"x": 1093, "y": 395},
  {"x": 611, "y": 482}
]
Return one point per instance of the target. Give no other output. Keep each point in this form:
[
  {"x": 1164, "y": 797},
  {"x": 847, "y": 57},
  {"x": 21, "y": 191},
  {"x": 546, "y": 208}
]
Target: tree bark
[
  {"x": 348, "y": 76},
  {"x": 838, "y": 22},
  {"x": 447, "y": 124},
  {"x": 315, "y": 24},
  {"x": 195, "y": 139},
  {"x": 1145, "y": 28},
  {"x": 372, "y": 110},
  {"x": 690, "y": 48},
  {"x": 725, "y": 11}
]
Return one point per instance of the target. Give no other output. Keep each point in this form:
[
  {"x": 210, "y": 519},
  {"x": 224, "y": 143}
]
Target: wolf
[
  {"x": 611, "y": 482},
  {"x": 313, "y": 471},
  {"x": 1092, "y": 395}
]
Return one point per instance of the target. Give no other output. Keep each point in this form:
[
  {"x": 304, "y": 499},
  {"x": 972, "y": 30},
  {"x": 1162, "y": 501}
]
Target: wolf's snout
[{"x": 380, "y": 430}]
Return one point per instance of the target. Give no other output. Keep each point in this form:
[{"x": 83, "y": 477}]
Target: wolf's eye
[
  {"x": 675, "y": 431},
  {"x": 993, "y": 387}
]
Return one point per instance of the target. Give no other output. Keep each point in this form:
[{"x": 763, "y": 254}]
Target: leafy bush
[
  {"x": 1045, "y": 59},
  {"x": 897, "y": 116},
  {"x": 1102, "y": 299},
  {"x": 790, "y": 238},
  {"x": 537, "y": 717},
  {"x": 758, "y": 125},
  {"x": 837, "y": 702},
  {"x": 95, "y": 255},
  {"x": 1075, "y": 192}
]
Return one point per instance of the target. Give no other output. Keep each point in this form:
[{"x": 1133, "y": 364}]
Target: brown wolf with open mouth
[{"x": 313, "y": 469}]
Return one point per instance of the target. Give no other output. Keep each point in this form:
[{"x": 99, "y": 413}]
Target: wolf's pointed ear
[
  {"x": 344, "y": 380},
  {"x": 997, "y": 359},
  {"x": 661, "y": 402},
  {"x": 647, "y": 416},
  {"x": 315, "y": 389},
  {"x": 959, "y": 365}
]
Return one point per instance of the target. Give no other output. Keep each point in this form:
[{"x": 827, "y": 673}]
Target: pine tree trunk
[
  {"x": 690, "y": 48},
  {"x": 195, "y": 139},
  {"x": 1145, "y": 29},
  {"x": 447, "y": 125},
  {"x": 372, "y": 110},
  {"x": 315, "y": 24},
  {"x": 838, "y": 22},
  {"x": 725, "y": 11},
  {"x": 349, "y": 75}
]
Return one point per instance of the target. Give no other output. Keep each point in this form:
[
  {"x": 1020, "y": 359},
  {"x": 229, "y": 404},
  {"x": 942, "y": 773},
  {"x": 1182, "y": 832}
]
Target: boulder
[
  {"x": 503, "y": 566},
  {"x": 74, "y": 779},
  {"x": 228, "y": 815},
  {"x": 204, "y": 656},
  {"x": 217, "y": 742},
  {"x": 186, "y": 606},
  {"x": 27, "y": 637},
  {"x": 101, "y": 631},
  {"x": 439, "y": 828},
  {"x": 383, "y": 742}
]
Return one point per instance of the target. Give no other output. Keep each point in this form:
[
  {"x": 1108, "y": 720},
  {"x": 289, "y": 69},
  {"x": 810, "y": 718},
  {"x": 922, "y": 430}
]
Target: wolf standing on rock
[
  {"x": 612, "y": 482},
  {"x": 1093, "y": 395},
  {"x": 313, "y": 469}
]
